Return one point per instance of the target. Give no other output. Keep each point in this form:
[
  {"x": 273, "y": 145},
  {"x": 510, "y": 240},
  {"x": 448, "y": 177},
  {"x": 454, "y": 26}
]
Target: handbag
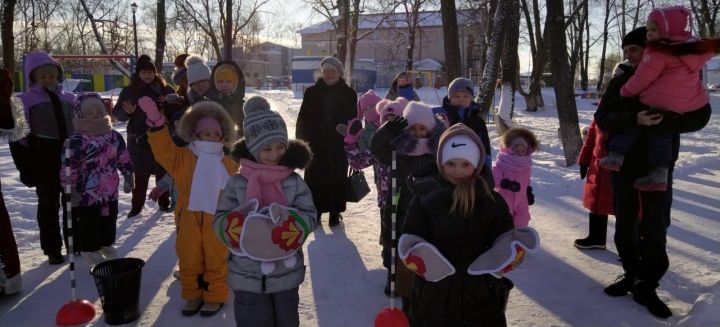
[{"x": 358, "y": 187}]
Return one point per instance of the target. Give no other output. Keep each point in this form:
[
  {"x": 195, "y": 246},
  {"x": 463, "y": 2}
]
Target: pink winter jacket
[
  {"x": 516, "y": 169},
  {"x": 669, "y": 82}
]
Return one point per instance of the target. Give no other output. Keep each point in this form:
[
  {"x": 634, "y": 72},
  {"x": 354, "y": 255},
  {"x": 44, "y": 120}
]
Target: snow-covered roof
[
  {"x": 427, "y": 65},
  {"x": 396, "y": 20}
]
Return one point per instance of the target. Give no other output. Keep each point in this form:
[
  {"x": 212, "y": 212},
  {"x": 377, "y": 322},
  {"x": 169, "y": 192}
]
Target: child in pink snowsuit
[
  {"x": 667, "y": 81},
  {"x": 512, "y": 170}
]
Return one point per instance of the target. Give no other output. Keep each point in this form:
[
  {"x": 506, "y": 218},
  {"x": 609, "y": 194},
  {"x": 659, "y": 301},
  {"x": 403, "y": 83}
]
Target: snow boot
[
  {"x": 656, "y": 180},
  {"x": 56, "y": 259},
  {"x": 10, "y": 285},
  {"x": 613, "y": 161},
  {"x": 598, "y": 234},
  {"x": 623, "y": 284},
  {"x": 192, "y": 307},
  {"x": 209, "y": 309},
  {"x": 108, "y": 252},
  {"x": 646, "y": 295}
]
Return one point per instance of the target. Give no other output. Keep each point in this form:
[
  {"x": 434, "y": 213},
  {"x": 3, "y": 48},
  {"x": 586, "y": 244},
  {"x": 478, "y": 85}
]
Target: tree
[
  {"x": 453, "y": 61},
  {"x": 96, "y": 31},
  {"x": 160, "y": 26},
  {"x": 538, "y": 52},
  {"x": 510, "y": 69},
  {"x": 601, "y": 74},
  {"x": 488, "y": 83},
  {"x": 569, "y": 131},
  {"x": 706, "y": 15},
  {"x": 412, "y": 17},
  {"x": 8, "y": 40}
]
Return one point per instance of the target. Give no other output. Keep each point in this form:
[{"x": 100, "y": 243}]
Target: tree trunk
[
  {"x": 8, "y": 40},
  {"x": 533, "y": 98},
  {"x": 486, "y": 92},
  {"x": 342, "y": 33},
  {"x": 601, "y": 74},
  {"x": 503, "y": 120},
  {"x": 584, "y": 79},
  {"x": 228, "y": 30},
  {"x": 569, "y": 131},
  {"x": 352, "y": 42},
  {"x": 451, "y": 40},
  {"x": 161, "y": 24}
]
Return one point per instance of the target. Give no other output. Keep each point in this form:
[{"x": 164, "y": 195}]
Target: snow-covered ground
[{"x": 557, "y": 286}]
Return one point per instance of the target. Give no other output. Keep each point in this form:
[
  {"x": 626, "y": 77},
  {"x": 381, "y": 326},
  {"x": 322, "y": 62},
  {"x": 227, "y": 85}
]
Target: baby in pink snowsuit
[{"x": 512, "y": 170}]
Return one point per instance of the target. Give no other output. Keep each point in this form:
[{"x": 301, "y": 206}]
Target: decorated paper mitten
[
  {"x": 274, "y": 236},
  {"x": 229, "y": 226},
  {"x": 154, "y": 117},
  {"x": 507, "y": 252},
  {"x": 423, "y": 258}
]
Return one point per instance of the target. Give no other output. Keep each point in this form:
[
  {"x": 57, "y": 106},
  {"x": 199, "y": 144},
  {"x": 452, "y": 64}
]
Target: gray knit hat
[
  {"x": 197, "y": 69},
  {"x": 461, "y": 84},
  {"x": 262, "y": 126},
  {"x": 334, "y": 62}
]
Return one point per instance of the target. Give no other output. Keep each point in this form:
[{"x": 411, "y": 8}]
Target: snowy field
[{"x": 557, "y": 286}]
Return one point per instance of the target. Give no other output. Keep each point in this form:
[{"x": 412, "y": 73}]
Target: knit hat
[
  {"x": 459, "y": 141},
  {"x": 262, "y": 126},
  {"x": 144, "y": 63},
  {"x": 672, "y": 22},
  {"x": 333, "y": 62},
  {"x": 369, "y": 98},
  {"x": 180, "y": 69},
  {"x": 208, "y": 122},
  {"x": 637, "y": 37},
  {"x": 419, "y": 113},
  {"x": 197, "y": 69},
  {"x": 461, "y": 84},
  {"x": 396, "y": 107},
  {"x": 86, "y": 101},
  {"x": 226, "y": 72}
]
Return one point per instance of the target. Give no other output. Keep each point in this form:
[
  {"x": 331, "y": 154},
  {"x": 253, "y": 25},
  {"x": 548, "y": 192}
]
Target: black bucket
[{"x": 118, "y": 285}]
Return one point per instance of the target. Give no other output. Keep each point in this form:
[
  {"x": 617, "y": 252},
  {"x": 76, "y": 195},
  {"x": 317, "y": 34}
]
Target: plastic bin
[{"x": 118, "y": 285}]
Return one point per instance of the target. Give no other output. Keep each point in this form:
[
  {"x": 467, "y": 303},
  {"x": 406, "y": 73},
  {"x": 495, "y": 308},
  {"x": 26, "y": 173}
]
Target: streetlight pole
[{"x": 134, "y": 7}]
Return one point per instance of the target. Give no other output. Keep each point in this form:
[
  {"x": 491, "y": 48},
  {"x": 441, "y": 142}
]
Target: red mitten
[
  {"x": 229, "y": 226},
  {"x": 154, "y": 117},
  {"x": 508, "y": 252}
]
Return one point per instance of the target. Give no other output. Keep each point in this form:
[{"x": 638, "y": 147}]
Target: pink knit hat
[
  {"x": 419, "y": 113},
  {"x": 369, "y": 98},
  {"x": 385, "y": 107},
  {"x": 672, "y": 23},
  {"x": 208, "y": 122}
]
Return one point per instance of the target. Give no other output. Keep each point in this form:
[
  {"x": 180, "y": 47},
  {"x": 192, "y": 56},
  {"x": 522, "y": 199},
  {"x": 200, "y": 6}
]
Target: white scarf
[{"x": 209, "y": 177}]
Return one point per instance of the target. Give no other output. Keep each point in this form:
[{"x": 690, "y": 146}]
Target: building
[
  {"x": 265, "y": 62},
  {"x": 387, "y": 44}
]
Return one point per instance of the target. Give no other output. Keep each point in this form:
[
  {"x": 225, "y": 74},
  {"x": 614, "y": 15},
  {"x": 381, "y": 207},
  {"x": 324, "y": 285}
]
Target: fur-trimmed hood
[
  {"x": 515, "y": 132},
  {"x": 186, "y": 127},
  {"x": 705, "y": 45},
  {"x": 405, "y": 143},
  {"x": 298, "y": 154}
]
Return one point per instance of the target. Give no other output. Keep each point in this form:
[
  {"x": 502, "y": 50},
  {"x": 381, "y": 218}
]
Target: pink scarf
[
  {"x": 264, "y": 182},
  {"x": 507, "y": 160}
]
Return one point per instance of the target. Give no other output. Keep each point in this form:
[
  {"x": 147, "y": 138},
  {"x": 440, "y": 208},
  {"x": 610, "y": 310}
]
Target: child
[
  {"x": 200, "y": 171},
  {"x": 229, "y": 81},
  {"x": 667, "y": 81},
  {"x": 198, "y": 76},
  {"x": 458, "y": 107},
  {"x": 455, "y": 212},
  {"x": 49, "y": 113},
  {"x": 96, "y": 153},
  {"x": 402, "y": 87},
  {"x": 414, "y": 137},
  {"x": 266, "y": 294},
  {"x": 512, "y": 172},
  {"x": 146, "y": 82}
]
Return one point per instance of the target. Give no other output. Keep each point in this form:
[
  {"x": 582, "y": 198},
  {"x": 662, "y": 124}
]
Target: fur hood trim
[
  {"x": 687, "y": 48},
  {"x": 186, "y": 127},
  {"x": 512, "y": 133},
  {"x": 405, "y": 143},
  {"x": 298, "y": 154},
  {"x": 92, "y": 127}
]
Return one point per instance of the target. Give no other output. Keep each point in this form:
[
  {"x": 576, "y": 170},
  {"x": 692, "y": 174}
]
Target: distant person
[
  {"x": 402, "y": 87},
  {"x": 512, "y": 172},
  {"x": 229, "y": 81},
  {"x": 327, "y": 103},
  {"x": 144, "y": 82},
  {"x": 199, "y": 78}
]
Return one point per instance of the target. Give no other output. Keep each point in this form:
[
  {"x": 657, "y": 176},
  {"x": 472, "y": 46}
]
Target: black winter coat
[
  {"x": 324, "y": 107},
  {"x": 459, "y": 299}
]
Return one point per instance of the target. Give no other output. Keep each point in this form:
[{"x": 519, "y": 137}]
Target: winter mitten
[
  {"x": 128, "y": 183},
  {"x": 397, "y": 125},
  {"x": 274, "y": 236},
  {"x": 229, "y": 226},
  {"x": 154, "y": 117},
  {"x": 530, "y": 196},
  {"x": 341, "y": 128},
  {"x": 354, "y": 131},
  {"x": 423, "y": 258},
  {"x": 173, "y": 98},
  {"x": 507, "y": 252},
  {"x": 6, "y": 86},
  {"x": 510, "y": 185},
  {"x": 583, "y": 171}
]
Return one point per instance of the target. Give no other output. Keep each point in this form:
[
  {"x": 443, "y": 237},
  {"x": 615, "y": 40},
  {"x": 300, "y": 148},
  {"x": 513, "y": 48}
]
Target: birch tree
[{"x": 510, "y": 67}]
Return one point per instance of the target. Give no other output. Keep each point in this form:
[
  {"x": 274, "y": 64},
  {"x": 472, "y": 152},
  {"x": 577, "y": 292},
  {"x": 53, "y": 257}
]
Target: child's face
[
  {"x": 419, "y": 131},
  {"x": 147, "y": 76},
  {"x": 388, "y": 117},
  {"x": 520, "y": 149},
  {"x": 225, "y": 86},
  {"x": 457, "y": 170},
  {"x": 403, "y": 81},
  {"x": 210, "y": 135},
  {"x": 94, "y": 113},
  {"x": 460, "y": 99},
  {"x": 45, "y": 77},
  {"x": 201, "y": 87},
  {"x": 272, "y": 153},
  {"x": 652, "y": 31}
]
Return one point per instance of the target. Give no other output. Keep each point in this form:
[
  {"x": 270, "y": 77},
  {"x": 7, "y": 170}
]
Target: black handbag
[{"x": 358, "y": 187}]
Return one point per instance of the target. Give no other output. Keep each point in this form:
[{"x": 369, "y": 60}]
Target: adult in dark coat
[
  {"x": 327, "y": 103},
  {"x": 145, "y": 82},
  {"x": 641, "y": 240}
]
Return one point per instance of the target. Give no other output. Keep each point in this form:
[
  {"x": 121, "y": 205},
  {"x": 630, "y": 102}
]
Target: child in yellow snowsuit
[{"x": 200, "y": 171}]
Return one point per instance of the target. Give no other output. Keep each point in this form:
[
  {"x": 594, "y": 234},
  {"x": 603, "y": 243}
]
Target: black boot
[
  {"x": 318, "y": 219},
  {"x": 335, "y": 218},
  {"x": 598, "y": 233},
  {"x": 622, "y": 285},
  {"x": 646, "y": 295}
]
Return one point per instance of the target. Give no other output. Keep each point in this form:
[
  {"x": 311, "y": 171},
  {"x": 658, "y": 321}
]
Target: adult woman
[{"x": 327, "y": 103}]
